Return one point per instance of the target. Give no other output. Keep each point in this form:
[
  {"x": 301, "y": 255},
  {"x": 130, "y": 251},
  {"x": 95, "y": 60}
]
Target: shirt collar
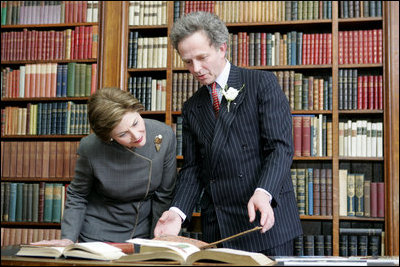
[{"x": 222, "y": 79}]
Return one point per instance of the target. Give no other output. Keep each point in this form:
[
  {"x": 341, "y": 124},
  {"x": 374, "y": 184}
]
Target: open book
[
  {"x": 186, "y": 253},
  {"x": 85, "y": 250}
]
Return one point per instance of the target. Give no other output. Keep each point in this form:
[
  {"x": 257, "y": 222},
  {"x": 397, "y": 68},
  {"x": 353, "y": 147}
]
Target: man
[{"x": 237, "y": 146}]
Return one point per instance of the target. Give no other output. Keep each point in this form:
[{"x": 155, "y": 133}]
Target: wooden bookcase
[
  {"x": 113, "y": 72},
  {"x": 69, "y": 141}
]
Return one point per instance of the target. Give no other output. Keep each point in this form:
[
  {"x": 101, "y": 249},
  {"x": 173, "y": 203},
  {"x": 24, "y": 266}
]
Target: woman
[{"x": 124, "y": 176}]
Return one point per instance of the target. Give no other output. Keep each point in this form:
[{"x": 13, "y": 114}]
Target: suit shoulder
[
  {"x": 89, "y": 143},
  {"x": 157, "y": 127}
]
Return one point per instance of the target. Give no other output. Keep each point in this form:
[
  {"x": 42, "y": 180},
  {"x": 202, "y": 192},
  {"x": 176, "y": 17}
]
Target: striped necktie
[{"x": 215, "y": 98}]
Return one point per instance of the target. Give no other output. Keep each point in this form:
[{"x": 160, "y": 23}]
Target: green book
[
  {"x": 71, "y": 79},
  {"x": 351, "y": 205},
  {"x": 359, "y": 194},
  {"x": 3, "y": 12},
  {"x": 57, "y": 193},
  {"x": 78, "y": 78},
  {"x": 35, "y": 203},
  {"x": 82, "y": 80},
  {"x": 301, "y": 191},
  {"x": 88, "y": 79},
  {"x": 48, "y": 202}
]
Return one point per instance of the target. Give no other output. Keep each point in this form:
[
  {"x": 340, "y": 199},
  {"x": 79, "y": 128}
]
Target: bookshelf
[
  {"x": 114, "y": 71},
  {"x": 49, "y": 69}
]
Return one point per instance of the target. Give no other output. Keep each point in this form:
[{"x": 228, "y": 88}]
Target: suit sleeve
[
  {"x": 276, "y": 136},
  {"x": 77, "y": 193},
  {"x": 188, "y": 185},
  {"x": 164, "y": 193}
]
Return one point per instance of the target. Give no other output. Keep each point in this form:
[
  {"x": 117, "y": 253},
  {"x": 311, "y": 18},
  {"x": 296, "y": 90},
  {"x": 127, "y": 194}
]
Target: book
[
  {"x": 85, "y": 250},
  {"x": 187, "y": 253}
]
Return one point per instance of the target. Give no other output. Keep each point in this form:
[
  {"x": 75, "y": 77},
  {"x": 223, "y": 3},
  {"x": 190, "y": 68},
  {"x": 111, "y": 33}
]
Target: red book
[
  {"x": 359, "y": 92},
  {"x": 24, "y": 44},
  {"x": 79, "y": 11},
  {"x": 380, "y": 92},
  {"x": 82, "y": 42},
  {"x": 72, "y": 47},
  {"x": 304, "y": 49},
  {"x": 311, "y": 51},
  {"x": 305, "y": 142},
  {"x": 322, "y": 191},
  {"x": 297, "y": 135},
  {"x": 374, "y": 200},
  {"x": 75, "y": 6},
  {"x": 370, "y": 39},
  {"x": 263, "y": 49},
  {"x": 365, "y": 92},
  {"x": 324, "y": 49},
  {"x": 370, "y": 92},
  {"x": 381, "y": 199},
  {"x": 360, "y": 47},
  {"x": 52, "y": 41},
  {"x": 67, "y": 12},
  {"x": 350, "y": 47},
  {"x": 89, "y": 42},
  {"x": 355, "y": 47},
  {"x": 321, "y": 47},
  {"x": 43, "y": 78},
  {"x": 380, "y": 46},
  {"x": 345, "y": 47},
  {"x": 365, "y": 47},
  {"x": 374, "y": 46},
  {"x": 53, "y": 78},
  {"x": 84, "y": 11},
  {"x": 316, "y": 48},
  {"x": 27, "y": 81}
]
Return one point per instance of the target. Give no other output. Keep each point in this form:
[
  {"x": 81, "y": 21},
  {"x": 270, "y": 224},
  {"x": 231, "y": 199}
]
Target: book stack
[
  {"x": 48, "y": 12},
  {"x": 32, "y": 202},
  {"x": 360, "y": 197},
  {"x": 360, "y": 138},
  {"x": 360, "y": 241}
]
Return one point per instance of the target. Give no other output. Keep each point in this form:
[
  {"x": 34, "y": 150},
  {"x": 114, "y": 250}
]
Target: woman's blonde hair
[{"x": 106, "y": 108}]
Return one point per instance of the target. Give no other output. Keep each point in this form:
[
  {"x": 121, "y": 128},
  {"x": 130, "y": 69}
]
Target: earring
[{"x": 111, "y": 140}]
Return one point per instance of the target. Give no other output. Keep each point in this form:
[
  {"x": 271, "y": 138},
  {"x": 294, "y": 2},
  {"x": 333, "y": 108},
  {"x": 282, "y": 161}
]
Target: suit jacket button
[{"x": 212, "y": 180}]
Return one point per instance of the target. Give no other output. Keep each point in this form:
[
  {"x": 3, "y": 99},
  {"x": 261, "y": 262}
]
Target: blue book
[
  {"x": 64, "y": 82},
  {"x": 13, "y": 202},
  {"x": 19, "y": 202},
  {"x": 59, "y": 80},
  {"x": 293, "y": 47},
  {"x": 310, "y": 191},
  {"x": 39, "y": 119},
  {"x": 53, "y": 121},
  {"x": 299, "y": 46}
]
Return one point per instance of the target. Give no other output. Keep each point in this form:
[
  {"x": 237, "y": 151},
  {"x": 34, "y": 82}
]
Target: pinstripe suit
[{"x": 246, "y": 148}]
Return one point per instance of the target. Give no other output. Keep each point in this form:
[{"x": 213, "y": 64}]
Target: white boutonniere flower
[{"x": 230, "y": 93}]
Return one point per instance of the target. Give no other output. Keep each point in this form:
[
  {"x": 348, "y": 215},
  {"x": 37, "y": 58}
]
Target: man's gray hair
[{"x": 209, "y": 23}]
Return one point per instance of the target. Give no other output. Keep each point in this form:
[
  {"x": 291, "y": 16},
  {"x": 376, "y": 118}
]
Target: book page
[{"x": 183, "y": 249}]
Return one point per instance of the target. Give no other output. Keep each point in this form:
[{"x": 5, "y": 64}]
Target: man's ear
[{"x": 223, "y": 48}]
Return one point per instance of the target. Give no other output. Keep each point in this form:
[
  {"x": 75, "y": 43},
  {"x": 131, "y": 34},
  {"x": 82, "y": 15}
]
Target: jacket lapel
[{"x": 223, "y": 123}]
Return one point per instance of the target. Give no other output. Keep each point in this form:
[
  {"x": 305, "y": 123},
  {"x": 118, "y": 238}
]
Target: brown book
[
  {"x": 67, "y": 159},
  {"x": 60, "y": 159},
  {"x": 95, "y": 42},
  {"x": 329, "y": 197},
  {"x": 306, "y": 131},
  {"x": 13, "y": 159},
  {"x": 297, "y": 135},
  {"x": 316, "y": 192},
  {"x": 381, "y": 199},
  {"x": 322, "y": 186},
  {"x": 24, "y": 236},
  {"x": 73, "y": 157},
  {"x": 39, "y": 159},
  {"x": 53, "y": 159},
  {"x": 32, "y": 159},
  {"x": 45, "y": 159},
  {"x": 367, "y": 198},
  {"x": 42, "y": 186},
  {"x": 5, "y": 170}
]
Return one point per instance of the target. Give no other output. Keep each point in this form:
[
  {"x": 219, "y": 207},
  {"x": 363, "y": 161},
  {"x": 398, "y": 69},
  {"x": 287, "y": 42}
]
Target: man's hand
[
  {"x": 260, "y": 201},
  {"x": 168, "y": 224}
]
